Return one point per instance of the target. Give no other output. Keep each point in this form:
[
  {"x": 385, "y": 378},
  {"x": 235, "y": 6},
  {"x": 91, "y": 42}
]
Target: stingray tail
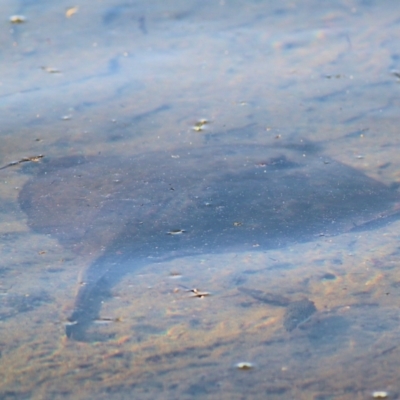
[
  {"x": 87, "y": 308},
  {"x": 99, "y": 279}
]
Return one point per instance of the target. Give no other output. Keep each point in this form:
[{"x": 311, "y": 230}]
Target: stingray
[{"x": 157, "y": 206}]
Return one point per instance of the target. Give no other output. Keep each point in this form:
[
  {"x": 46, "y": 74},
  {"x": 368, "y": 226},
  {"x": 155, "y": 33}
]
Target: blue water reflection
[{"x": 259, "y": 142}]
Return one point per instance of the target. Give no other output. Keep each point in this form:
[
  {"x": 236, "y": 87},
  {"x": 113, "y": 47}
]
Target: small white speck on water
[
  {"x": 244, "y": 365},
  {"x": 380, "y": 394}
]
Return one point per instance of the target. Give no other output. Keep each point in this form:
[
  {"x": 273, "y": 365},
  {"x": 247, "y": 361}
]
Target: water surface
[{"x": 120, "y": 80}]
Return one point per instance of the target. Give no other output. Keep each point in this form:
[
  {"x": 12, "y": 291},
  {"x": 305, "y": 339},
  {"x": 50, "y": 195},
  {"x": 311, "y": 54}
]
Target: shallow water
[
  {"x": 157, "y": 206},
  {"x": 132, "y": 79}
]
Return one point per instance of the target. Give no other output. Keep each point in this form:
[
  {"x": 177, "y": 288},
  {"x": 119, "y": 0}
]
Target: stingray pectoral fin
[{"x": 378, "y": 221}]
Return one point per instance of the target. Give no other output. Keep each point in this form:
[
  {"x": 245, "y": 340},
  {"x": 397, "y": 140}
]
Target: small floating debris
[
  {"x": 337, "y": 76},
  {"x": 98, "y": 321},
  {"x": 244, "y": 366},
  {"x": 199, "y": 294},
  {"x": 25, "y": 159},
  {"x": 51, "y": 70},
  {"x": 196, "y": 292},
  {"x": 380, "y": 394},
  {"x": 237, "y": 223},
  {"x": 17, "y": 19},
  {"x": 199, "y": 125},
  {"x": 105, "y": 321},
  {"x": 71, "y": 11},
  {"x": 176, "y": 232},
  {"x": 66, "y": 117}
]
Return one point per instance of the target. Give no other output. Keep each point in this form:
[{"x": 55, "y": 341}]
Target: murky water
[{"x": 120, "y": 79}]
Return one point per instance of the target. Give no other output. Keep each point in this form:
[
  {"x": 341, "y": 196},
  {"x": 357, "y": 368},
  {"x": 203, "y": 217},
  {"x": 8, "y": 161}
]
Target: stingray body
[{"x": 162, "y": 205}]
